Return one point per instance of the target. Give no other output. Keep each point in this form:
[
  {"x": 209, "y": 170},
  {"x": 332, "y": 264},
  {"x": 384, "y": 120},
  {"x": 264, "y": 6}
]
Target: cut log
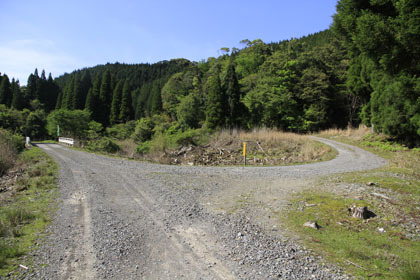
[
  {"x": 361, "y": 212},
  {"x": 311, "y": 225}
]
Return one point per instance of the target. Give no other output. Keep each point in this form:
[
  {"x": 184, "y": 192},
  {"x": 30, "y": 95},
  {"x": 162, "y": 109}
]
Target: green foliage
[
  {"x": 10, "y": 145},
  {"x": 394, "y": 106},
  {"x": 104, "y": 145},
  {"x": 11, "y": 119},
  {"x": 5, "y": 91},
  {"x": 235, "y": 108},
  {"x": 92, "y": 100},
  {"x": 189, "y": 113},
  {"x": 73, "y": 123},
  {"x": 354, "y": 240},
  {"x": 121, "y": 131},
  {"x": 116, "y": 104},
  {"x": 143, "y": 148},
  {"x": 105, "y": 98},
  {"x": 126, "y": 108},
  {"x": 188, "y": 137},
  {"x": 35, "y": 125},
  {"x": 18, "y": 102},
  {"x": 143, "y": 130},
  {"x": 95, "y": 130},
  {"x": 26, "y": 214},
  {"x": 271, "y": 102},
  {"x": 380, "y": 37},
  {"x": 215, "y": 103},
  {"x": 249, "y": 59},
  {"x": 178, "y": 86}
]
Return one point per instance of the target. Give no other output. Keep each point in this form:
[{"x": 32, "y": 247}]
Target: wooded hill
[{"x": 365, "y": 69}]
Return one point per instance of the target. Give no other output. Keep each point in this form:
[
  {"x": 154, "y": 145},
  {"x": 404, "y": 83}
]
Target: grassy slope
[
  {"x": 26, "y": 214},
  {"x": 358, "y": 245}
]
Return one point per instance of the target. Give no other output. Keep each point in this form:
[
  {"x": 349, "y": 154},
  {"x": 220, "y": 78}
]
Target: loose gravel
[{"x": 122, "y": 219}]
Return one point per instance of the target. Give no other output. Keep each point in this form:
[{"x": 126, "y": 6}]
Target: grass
[
  {"x": 25, "y": 215},
  {"x": 356, "y": 245}
]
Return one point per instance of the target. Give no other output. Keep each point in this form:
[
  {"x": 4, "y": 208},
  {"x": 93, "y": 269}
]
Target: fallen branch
[
  {"x": 259, "y": 146},
  {"x": 355, "y": 264}
]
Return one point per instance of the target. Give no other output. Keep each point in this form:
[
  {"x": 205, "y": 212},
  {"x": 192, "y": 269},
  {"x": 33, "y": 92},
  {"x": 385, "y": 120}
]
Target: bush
[
  {"x": 10, "y": 146},
  {"x": 103, "y": 145},
  {"x": 143, "y": 147},
  {"x": 189, "y": 137},
  {"x": 144, "y": 130},
  {"x": 121, "y": 131},
  {"x": 73, "y": 123},
  {"x": 95, "y": 130}
]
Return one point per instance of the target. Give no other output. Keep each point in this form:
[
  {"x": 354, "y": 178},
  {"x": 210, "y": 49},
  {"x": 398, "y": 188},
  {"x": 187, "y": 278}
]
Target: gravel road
[{"x": 122, "y": 219}]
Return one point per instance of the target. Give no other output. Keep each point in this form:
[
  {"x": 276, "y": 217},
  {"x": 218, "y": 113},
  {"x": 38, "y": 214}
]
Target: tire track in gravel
[{"x": 123, "y": 219}]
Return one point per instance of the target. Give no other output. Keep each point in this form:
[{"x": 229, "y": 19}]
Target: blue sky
[{"x": 62, "y": 36}]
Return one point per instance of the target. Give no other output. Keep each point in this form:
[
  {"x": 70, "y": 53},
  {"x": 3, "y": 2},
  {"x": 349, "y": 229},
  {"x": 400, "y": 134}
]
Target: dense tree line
[
  {"x": 365, "y": 69},
  {"x": 382, "y": 39}
]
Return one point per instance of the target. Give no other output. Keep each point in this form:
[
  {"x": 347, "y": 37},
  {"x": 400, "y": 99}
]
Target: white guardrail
[{"x": 68, "y": 141}]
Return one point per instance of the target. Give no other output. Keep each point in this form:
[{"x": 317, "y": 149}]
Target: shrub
[
  {"x": 143, "y": 147},
  {"x": 10, "y": 146},
  {"x": 144, "y": 130},
  {"x": 121, "y": 131},
  {"x": 74, "y": 123},
  {"x": 103, "y": 145}
]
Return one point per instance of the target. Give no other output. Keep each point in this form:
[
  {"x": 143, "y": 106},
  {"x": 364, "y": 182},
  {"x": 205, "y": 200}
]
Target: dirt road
[{"x": 121, "y": 219}]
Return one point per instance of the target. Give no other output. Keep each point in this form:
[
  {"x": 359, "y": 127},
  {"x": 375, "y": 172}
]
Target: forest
[{"x": 364, "y": 69}]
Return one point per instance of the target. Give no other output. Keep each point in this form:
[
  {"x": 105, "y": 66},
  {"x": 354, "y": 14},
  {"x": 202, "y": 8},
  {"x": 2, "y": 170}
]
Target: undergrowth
[{"x": 25, "y": 214}]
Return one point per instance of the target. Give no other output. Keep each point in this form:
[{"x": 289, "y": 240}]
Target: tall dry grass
[
  {"x": 8, "y": 155},
  {"x": 276, "y": 143},
  {"x": 264, "y": 135},
  {"x": 354, "y": 133}
]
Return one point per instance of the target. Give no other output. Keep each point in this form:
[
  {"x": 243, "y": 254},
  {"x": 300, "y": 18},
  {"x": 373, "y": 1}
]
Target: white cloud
[{"x": 19, "y": 58}]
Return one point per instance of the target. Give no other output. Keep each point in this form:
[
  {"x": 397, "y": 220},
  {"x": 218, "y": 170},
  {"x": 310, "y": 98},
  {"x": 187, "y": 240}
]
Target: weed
[
  {"x": 26, "y": 214},
  {"x": 343, "y": 238},
  {"x": 104, "y": 145},
  {"x": 386, "y": 254}
]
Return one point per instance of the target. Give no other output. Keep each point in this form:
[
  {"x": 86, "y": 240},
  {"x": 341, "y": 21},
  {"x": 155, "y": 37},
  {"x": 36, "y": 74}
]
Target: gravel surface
[{"x": 122, "y": 219}]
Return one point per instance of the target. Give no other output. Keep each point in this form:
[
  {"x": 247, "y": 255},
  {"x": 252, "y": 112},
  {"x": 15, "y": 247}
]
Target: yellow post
[{"x": 244, "y": 152}]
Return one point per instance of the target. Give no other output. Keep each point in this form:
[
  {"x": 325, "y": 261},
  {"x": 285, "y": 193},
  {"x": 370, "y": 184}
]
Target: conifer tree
[
  {"x": 52, "y": 93},
  {"x": 86, "y": 83},
  {"x": 59, "y": 100},
  {"x": 141, "y": 101},
  {"x": 92, "y": 100},
  {"x": 67, "y": 102},
  {"x": 105, "y": 95},
  {"x": 5, "y": 91},
  {"x": 17, "y": 97},
  {"x": 126, "y": 109},
  {"x": 31, "y": 88},
  {"x": 214, "y": 111},
  {"x": 155, "y": 99},
  {"x": 233, "y": 95},
  {"x": 116, "y": 103},
  {"x": 43, "y": 76},
  {"x": 79, "y": 99}
]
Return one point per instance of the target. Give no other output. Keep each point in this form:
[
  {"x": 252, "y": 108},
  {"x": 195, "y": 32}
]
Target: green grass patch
[
  {"x": 24, "y": 216},
  {"x": 355, "y": 244}
]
